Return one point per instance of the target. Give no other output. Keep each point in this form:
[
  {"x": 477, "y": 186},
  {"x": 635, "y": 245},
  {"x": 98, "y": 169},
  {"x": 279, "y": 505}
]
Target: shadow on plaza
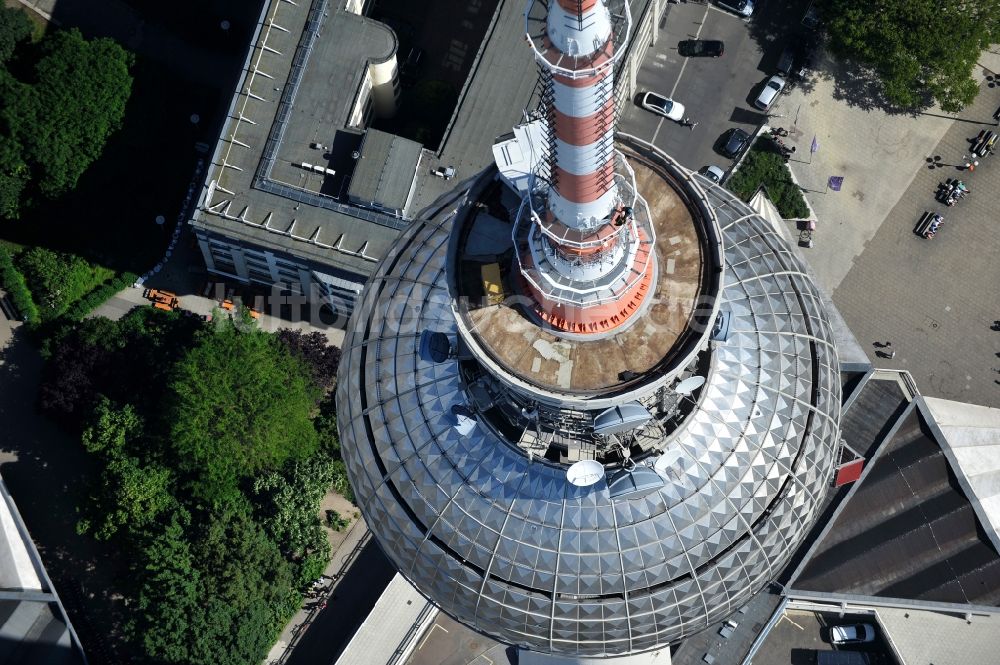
[
  {"x": 778, "y": 23},
  {"x": 46, "y": 471}
]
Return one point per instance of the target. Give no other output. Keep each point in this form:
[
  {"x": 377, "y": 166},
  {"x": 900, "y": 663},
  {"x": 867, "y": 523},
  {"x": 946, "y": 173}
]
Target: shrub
[
  {"x": 57, "y": 280},
  {"x": 336, "y": 521},
  {"x": 341, "y": 485},
  {"x": 764, "y": 165},
  {"x": 87, "y": 304},
  {"x": 14, "y": 284}
]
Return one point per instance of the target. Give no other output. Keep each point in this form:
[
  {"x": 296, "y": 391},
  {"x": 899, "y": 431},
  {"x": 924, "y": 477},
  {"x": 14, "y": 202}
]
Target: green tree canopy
[
  {"x": 918, "y": 48},
  {"x": 129, "y": 494},
  {"x": 239, "y": 404},
  {"x": 56, "y": 125},
  {"x": 15, "y": 27},
  {"x": 235, "y": 591}
]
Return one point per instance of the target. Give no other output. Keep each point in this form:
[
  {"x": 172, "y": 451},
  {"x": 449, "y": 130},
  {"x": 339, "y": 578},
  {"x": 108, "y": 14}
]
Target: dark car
[
  {"x": 733, "y": 142},
  {"x": 701, "y": 48},
  {"x": 786, "y": 61}
]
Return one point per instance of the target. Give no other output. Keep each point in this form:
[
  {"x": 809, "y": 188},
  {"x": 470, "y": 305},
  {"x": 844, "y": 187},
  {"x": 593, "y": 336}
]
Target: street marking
[
  {"x": 658, "y": 125},
  {"x": 684, "y": 64},
  {"x": 784, "y": 617},
  {"x": 428, "y": 635}
]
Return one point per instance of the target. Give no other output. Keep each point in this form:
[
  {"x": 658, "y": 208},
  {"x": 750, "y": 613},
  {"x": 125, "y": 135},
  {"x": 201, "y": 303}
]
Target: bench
[{"x": 929, "y": 224}]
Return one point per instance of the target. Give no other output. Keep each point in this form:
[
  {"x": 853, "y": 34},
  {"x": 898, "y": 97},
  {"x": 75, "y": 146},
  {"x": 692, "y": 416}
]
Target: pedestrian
[
  {"x": 323, "y": 605},
  {"x": 892, "y": 354}
]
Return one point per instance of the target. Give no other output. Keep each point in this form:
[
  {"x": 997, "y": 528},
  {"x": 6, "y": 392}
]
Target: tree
[
  {"x": 168, "y": 591},
  {"x": 236, "y": 591},
  {"x": 288, "y": 505},
  {"x": 56, "y": 126},
  {"x": 919, "y": 49},
  {"x": 14, "y": 171},
  {"x": 764, "y": 165},
  {"x": 315, "y": 350},
  {"x": 127, "y": 360},
  {"x": 129, "y": 494},
  {"x": 15, "y": 27},
  {"x": 238, "y": 404}
]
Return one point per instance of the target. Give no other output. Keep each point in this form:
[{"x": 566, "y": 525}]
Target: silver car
[
  {"x": 771, "y": 90},
  {"x": 853, "y": 633}
]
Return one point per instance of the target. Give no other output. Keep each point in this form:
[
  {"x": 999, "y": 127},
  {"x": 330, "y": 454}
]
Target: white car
[
  {"x": 713, "y": 173},
  {"x": 771, "y": 90},
  {"x": 853, "y": 633},
  {"x": 742, "y": 7},
  {"x": 660, "y": 105}
]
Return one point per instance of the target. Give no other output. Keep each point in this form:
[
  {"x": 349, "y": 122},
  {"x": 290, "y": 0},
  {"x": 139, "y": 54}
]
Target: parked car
[
  {"x": 786, "y": 61},
  {"x": 733, "y": 142},
  {"x": 713, "y": 173},
  {"x": 771, "y": 90},
  {"x": 852, "y": 633},
  {"x": 742, "y": 7},
  {"x": 701, "y": 48},
  {"x": 661, "y": 105}
]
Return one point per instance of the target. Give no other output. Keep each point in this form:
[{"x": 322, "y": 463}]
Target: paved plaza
[{"x": 935, "y": 300}]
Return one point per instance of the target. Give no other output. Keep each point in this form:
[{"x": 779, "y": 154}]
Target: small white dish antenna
[
  {"x": 665, "y": 464},
  {"x": 689, "y": 385},
  {"x": 585, "y": 473}
]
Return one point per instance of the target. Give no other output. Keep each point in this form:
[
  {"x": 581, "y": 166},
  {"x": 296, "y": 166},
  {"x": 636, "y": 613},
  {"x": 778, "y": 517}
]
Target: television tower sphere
[{"x": 617, "y": 309}]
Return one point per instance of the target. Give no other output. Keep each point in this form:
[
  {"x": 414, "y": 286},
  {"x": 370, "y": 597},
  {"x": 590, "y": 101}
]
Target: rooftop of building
[
  {"x": 908, "y": 530},
  {"x": 916, "y": 636},
  {"x": 385, "y": 169},
  {"x": 300, "y": 79},
  {"x": 33, "y": 622}
]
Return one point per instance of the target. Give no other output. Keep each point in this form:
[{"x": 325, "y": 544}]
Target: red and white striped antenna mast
[{"x": 583, "y": 238}]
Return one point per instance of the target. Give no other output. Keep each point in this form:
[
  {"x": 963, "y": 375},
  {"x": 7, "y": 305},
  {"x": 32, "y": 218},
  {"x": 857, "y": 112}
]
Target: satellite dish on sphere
[
  {"x": 664, "y": 464},
  {"x": 634, "y": 483},
  {"x": 434, "y": 347},
  {"x": 689, "y": 385},
  {"x": 585, "y": 473}
]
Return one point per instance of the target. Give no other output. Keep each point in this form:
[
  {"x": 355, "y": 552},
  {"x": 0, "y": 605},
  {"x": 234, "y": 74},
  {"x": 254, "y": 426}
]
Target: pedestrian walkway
[
  {"x": 343, "y": 556},
  {"x": 877, "y": 153}
]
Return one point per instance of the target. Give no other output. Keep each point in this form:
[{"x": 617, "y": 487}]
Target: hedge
[
  {"x": 17, "y": 289},
  {"x": 99, "y": 296},
  {"x": 764, "y": 165},
  {"x": 57, "y": 279}
]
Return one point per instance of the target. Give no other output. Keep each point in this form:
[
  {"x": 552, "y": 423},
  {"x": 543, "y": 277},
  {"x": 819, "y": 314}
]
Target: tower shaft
[{"x": 587, "y": 264}]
